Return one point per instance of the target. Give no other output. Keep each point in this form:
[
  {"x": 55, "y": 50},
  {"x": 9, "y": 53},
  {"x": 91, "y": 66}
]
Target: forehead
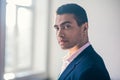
[{"x": 63, "y": 18}]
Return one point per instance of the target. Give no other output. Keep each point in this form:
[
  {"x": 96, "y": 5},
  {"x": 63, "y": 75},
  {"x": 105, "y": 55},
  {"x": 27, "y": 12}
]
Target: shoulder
[
  {"x": 90, "y": 66},
  {"x": 95, "y": 73}
]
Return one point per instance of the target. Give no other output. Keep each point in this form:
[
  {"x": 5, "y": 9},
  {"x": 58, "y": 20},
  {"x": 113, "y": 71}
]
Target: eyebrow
[{"x": 63, "y": 23}]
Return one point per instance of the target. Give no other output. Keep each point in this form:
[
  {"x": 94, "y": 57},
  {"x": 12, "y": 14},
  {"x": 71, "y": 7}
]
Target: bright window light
[
  {"x": 20, "y": 2},
  {"x": 9, "y": 76},
  {"x": 10, "y": 15}
]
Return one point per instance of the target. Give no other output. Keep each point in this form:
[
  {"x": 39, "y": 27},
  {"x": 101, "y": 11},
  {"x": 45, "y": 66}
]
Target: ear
[{"x": 85, "y": 27}]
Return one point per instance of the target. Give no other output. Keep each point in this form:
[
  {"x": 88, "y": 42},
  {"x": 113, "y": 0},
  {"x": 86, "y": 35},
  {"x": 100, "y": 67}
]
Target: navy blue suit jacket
[{"x": 88, "y": 65}]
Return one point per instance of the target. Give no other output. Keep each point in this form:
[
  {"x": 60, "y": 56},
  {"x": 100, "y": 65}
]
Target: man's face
[{"x": 68, "y": 33}]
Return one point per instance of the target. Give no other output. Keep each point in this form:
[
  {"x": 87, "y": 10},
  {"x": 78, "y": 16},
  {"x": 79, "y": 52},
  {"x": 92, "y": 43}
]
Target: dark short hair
[{"x": 72, "y": 8}]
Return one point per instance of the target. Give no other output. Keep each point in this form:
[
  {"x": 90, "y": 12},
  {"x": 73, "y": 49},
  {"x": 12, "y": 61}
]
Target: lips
[{"x": 62, "y": 41}]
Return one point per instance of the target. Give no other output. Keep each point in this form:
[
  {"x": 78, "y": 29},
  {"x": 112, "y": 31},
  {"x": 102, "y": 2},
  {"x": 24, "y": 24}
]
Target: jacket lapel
[
  {"x": 66, "y": 72},
  {"x": 74, "y": 63}
]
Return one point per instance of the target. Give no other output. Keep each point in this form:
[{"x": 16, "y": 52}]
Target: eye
[
  {"x": 67, "y": 26},
  {"x": 56, "y": 28}
]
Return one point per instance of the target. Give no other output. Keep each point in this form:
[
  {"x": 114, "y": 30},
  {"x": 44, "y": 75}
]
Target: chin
[{"x": 64, "y": 48}]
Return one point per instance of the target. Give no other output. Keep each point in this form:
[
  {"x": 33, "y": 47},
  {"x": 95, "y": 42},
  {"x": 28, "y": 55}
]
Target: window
[{"x": 21, "y": 56}]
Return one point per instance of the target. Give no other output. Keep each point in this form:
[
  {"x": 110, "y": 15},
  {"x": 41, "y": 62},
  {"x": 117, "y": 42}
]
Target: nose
[{"x": 60, "y": 33}]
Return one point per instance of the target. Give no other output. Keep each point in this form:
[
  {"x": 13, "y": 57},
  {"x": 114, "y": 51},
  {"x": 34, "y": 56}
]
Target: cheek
[
  {"x": 75, "y": 36},
  {"x": 78, "y": 37}
]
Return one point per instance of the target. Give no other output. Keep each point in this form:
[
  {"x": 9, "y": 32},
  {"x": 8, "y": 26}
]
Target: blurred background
[{"x": 28, "y": 45}]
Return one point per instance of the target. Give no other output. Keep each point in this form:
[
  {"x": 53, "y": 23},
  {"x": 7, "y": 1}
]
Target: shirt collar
[{"x": 68, "y": 58}]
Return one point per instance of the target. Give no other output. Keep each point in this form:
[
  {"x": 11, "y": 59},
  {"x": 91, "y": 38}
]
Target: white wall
[
  {"x": 104, "y": 23},
  {"x": 40, "y": 35}
]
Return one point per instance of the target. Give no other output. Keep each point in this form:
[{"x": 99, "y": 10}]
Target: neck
[{"x": 75, "y": 48}]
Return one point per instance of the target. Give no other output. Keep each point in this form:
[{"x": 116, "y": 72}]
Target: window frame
[
  {"x": 31, "y": 41},
  {"x": 2, "y": 36},
  {"x": 44, "y": 76}
]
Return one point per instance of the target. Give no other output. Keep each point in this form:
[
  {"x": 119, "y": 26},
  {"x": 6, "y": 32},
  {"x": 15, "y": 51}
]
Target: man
[{"x": 82, "y": 62}]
